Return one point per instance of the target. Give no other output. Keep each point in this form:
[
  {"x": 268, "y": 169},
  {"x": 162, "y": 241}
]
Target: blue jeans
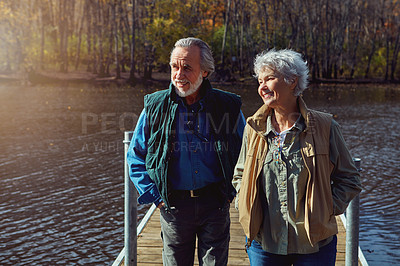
[
  {"x": 326, "y": 256},
  {"x": 200, "y": 217}
]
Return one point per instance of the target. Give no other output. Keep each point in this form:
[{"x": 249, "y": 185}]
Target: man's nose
[{"x": 179, "y": 73}]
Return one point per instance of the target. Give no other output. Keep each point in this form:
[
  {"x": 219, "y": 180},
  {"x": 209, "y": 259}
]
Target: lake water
[{"x": 61, "y": 167}]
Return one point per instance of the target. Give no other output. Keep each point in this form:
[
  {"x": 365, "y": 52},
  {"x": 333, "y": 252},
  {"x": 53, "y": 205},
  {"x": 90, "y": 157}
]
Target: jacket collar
[{"x": 259, "y": 120}]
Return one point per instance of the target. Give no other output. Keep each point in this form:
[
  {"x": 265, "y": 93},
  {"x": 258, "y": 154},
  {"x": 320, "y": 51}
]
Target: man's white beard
[{"x": 192, "y": 89}]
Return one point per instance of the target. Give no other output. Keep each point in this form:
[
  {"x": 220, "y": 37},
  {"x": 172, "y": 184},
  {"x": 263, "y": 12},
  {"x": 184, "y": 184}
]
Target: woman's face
[{"x": 273, "y": 89}]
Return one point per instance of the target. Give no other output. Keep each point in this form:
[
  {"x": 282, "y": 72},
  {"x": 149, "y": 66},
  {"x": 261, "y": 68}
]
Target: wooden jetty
[{"x": 150, "y": 244}]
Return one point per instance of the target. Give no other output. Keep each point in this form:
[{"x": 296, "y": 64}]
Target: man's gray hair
[
  {"x": 206, "y": 57},
  {"x": 286, "y": 62}
]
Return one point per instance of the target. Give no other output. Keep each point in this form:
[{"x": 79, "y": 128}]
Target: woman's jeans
[{"x": 326, "y": 256}]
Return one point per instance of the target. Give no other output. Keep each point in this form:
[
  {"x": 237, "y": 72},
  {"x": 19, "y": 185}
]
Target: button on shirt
[{"x": 194, "y": 161}]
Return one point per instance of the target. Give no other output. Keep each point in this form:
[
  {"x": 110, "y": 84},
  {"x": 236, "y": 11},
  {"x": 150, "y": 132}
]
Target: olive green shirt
[{"x": 284, "y": 183}]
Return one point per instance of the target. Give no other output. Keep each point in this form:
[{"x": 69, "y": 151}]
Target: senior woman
[{"x": 294, "y": 172}]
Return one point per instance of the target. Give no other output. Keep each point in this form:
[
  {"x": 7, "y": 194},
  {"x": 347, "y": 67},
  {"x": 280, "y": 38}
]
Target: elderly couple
[{"x": 288, "y": 166}]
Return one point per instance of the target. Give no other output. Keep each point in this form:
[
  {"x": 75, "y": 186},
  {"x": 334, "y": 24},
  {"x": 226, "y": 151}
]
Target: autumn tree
[{"x": 339, "y": 39}]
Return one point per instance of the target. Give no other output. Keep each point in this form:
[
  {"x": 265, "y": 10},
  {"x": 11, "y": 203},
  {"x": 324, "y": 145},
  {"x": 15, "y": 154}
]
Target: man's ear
[{"x": 205, "y": 74}]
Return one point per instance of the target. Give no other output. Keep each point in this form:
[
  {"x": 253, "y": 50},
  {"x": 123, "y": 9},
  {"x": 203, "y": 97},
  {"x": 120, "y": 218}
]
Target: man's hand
[{"x": 160, "y": 205}]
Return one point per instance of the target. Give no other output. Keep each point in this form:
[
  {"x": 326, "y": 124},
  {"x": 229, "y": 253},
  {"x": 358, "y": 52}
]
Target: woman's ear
[{"x": 294, "y": 83}]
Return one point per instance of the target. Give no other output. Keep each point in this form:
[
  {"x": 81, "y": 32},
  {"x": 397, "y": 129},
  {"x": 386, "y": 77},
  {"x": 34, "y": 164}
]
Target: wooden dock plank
[{"x": 150, "y": 244}]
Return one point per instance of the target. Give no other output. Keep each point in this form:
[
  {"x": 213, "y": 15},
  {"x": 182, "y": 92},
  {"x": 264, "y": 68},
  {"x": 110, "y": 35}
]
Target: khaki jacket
[{"x": 320, "y": 222}]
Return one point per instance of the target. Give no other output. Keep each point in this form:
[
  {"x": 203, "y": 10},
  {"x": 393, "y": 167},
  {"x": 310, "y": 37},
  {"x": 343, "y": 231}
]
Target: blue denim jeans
[
  {"x": 326, "y": 256},
  {"x": 201, "y": 217}
]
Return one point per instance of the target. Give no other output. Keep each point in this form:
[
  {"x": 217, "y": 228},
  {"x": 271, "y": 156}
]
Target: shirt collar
[
  {"x": 298, "y": 125},
  {"x": 196, "y": 107},
  {"x": 269, "y": 127}
]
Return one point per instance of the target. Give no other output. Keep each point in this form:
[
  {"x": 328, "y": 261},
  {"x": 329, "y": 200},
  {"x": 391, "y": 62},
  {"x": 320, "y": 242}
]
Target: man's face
[{"x": 186, "y": 73}]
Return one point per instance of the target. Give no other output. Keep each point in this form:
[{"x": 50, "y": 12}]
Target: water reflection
[{"x": 61, "y": 169}]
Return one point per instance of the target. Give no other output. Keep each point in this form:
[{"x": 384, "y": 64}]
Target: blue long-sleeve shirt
[{"x": 194, "y": 162}]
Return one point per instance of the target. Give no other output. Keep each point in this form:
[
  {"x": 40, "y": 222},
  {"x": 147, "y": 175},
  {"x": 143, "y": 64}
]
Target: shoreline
[{"x": 162, "y": 78}]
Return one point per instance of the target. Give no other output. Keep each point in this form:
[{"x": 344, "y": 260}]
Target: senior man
[{"x": 182, "y": 155}]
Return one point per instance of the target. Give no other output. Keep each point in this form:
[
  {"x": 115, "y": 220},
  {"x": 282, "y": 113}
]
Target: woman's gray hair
[
  {"x": 286, "y": 62},
  {"x": 206, "y": 57}
]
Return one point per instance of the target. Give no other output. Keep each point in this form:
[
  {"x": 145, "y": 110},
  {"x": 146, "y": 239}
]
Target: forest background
[{"x": 340, "y": 39}]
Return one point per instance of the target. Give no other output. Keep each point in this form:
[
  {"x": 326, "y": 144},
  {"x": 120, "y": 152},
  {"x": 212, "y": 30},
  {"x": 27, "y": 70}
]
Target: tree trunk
[
  {"x": 236, "y": 29},
  {"x": 357, "y": 38},
  {"x": 42, "y": 39},
  {"x": 111, "y": 54},
  {"x": 387, "y": 56},
  {"x": 313, "y": 19},
  {"x": 395, "y": 55},
  {"x": 370, "y": 57},
  {"x": 122, "y": 32},
  {"x": 225, "y": 32},
  {"x": 90, "y": 63},
  {"x": 264, "y": 8},
  {"x": 62, "y": 24},
  {"x": 99, "y": 29},
  {"x": 78, "y": 50},
  {"x": 148, "y": 48},
  {"x": 8, "y": 63},
  {"x": 132, "y": 59},
  {"x": 326, "y": 67},
  {"x": 373, "y": 48},
  {"x": 115, "y": 30},
  {"x": 243, "y": 9},
  {"x": 148, "y": 68}
]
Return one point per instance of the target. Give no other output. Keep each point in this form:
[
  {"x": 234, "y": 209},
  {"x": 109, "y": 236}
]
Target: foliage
[{"x": 339, "y": 38}]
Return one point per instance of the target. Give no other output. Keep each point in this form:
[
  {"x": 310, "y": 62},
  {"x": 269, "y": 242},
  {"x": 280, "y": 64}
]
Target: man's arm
[
  {"x": 241, "y": 125},
  {"x": 345, "y": 176},
  {"x": 136, "y": 158}
]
